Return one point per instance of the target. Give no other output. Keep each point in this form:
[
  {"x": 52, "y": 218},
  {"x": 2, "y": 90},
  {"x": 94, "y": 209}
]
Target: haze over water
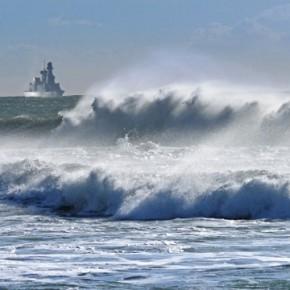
[
  {"x": 152, "y": 188},
  {"x": 171, "y": 169}
]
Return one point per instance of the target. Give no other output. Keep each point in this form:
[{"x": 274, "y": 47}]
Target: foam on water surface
[{"x": 189, "y": 191}]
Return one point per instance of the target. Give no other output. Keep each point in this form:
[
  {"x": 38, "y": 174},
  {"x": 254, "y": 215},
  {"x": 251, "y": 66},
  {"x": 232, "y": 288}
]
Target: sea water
[{"x": 165, "y": 193}]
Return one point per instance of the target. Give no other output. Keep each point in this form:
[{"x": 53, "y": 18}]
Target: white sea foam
[
  {"x": 180, "y": 114},
  {"x": 150, "y": 182},
  {"x": 140, "y": 176},
  {"x": 46, "y": 187}
]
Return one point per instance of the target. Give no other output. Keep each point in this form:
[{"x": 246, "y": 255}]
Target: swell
[
  {"x": 82, "y": 191},
  {"x": 28, "y": 124},
  {"x": 33, "y": 115}
]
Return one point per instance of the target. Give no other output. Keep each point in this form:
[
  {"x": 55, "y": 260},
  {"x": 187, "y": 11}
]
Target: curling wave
[
  {"x": 80, "y": 191},
  {"x": 175, "y": 116}
]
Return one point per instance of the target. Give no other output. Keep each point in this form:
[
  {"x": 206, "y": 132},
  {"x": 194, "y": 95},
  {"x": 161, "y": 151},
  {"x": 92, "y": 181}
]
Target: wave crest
[
  {"x": 94, "y": 192},
  {"x": 166, "y": 116}
]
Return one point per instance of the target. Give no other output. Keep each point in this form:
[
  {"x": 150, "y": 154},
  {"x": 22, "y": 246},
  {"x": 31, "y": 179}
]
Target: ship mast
[{"x": 44, "y": 85}]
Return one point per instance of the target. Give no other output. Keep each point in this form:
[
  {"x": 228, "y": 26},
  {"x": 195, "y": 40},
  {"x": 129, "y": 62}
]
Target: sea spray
[
  {"x": 124, "y": 190},
  {"x": 177, "y": 115}
]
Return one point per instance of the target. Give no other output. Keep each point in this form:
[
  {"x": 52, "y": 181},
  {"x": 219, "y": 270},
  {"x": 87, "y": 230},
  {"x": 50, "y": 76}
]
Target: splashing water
[{"x": 206, "y": 167}]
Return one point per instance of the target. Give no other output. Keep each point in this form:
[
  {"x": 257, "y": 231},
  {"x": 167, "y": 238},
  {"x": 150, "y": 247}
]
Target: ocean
[{"x": 156, "y": 189}]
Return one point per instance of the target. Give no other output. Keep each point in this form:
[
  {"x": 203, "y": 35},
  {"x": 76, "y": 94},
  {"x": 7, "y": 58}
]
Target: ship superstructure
[{"x": 45, "y": 85}]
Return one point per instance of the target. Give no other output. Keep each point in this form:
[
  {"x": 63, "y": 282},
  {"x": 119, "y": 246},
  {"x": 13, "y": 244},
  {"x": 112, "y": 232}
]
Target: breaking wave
[
  {"x": 172, "y": 115},
  {"x": 139, "y": 178},
  {"x": 176, "y": 116},
  {"x": 81, "y": 191}
]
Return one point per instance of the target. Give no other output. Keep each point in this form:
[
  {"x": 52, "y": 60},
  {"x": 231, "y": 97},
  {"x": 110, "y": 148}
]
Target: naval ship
[{"x": 45, "y": 85}]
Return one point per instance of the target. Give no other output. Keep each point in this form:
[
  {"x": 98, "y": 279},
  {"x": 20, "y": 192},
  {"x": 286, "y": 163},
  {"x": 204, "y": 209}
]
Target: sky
[{"x": 90, "y": 41}]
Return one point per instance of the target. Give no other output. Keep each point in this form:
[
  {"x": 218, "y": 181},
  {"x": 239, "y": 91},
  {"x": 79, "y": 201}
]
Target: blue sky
[{"x": 93, "y": 40}]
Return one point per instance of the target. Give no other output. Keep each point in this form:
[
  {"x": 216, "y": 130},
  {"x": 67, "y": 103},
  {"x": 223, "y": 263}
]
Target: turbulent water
[{"x": 165, "y": 188}]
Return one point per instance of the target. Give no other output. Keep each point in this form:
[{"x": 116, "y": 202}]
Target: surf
[{"x": 144, "y": 184}]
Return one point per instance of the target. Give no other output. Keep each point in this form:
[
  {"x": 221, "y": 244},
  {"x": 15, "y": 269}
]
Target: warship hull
[
  {"x": 45, "y": 85},
  {"x": 43, "y": 94}
]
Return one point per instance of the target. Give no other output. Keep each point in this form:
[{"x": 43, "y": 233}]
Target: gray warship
[{"x": 45, "y": 85}]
